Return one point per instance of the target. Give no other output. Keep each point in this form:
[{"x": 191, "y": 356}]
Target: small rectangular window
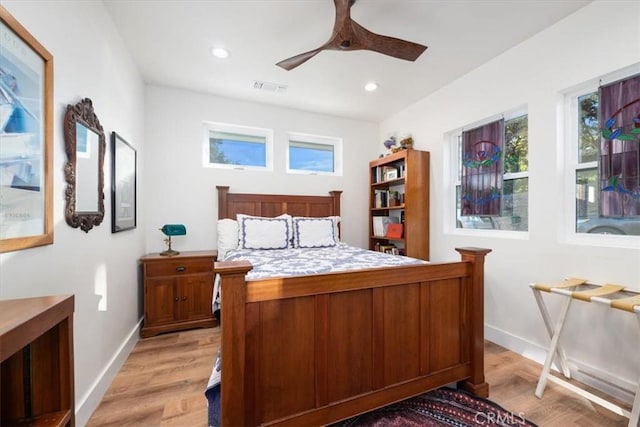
[
  {"x": 516, "y": 145},
  {"x": 237, "y": 147},
  {"x": 586, "y": 196},
  {"x": 588, "y": 132},
  {"x": 314, "y": 154}
]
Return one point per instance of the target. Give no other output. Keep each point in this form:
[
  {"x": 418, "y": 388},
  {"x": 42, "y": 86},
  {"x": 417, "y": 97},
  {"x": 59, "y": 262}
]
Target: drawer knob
[
  {"x": 184, "y": 298},
  {"x": 180, "y": 268},
  {"x": 177, "y": 299}
]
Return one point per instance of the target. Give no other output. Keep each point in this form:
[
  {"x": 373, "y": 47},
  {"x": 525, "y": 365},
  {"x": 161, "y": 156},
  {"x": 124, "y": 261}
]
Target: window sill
[
  {"x": 502, "y": 234},
  {"x": 602, "y": 240}
]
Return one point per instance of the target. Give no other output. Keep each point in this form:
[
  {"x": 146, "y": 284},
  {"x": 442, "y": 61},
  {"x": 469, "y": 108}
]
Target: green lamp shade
[{"x": 174, "y": 229}]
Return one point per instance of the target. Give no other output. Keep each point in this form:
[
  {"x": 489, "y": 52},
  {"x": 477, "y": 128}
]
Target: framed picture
[
  {"x": 26, "y": 132},
  {"x": 390, "y": 173},
  {"x": 123, "y": 184}
]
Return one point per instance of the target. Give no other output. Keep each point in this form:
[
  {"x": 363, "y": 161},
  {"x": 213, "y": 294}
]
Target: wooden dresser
[
  {"x": 36, "y": 355},
  {"x": 177, "y": 291}
]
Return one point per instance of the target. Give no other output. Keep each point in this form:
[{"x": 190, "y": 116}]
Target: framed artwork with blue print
[{"x": 26, "y": 135}]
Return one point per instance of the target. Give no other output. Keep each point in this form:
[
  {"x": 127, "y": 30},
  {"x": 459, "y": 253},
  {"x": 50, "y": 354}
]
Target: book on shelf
[
  {"x": 381, "y": 223},
  {"x": 389, "y": 249},
  {"x": 380, "y": 199},
  {"x": 394, "y": 231}
]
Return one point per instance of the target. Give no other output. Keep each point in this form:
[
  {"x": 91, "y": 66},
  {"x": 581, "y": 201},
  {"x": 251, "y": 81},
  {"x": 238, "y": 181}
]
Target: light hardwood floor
[{"x": 162, "y": 383}]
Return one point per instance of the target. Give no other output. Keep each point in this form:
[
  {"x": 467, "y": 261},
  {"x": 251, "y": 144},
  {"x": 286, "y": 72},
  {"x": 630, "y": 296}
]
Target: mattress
[
  {"x": 297, "y": 262},
  {"x": 274, "y": 263}
]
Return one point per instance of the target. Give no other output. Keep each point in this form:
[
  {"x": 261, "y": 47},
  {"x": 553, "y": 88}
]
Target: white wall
[
  {"x": 596, "y": 40},
  {"x": 185, "y": 192},
  {"x": 100, "y": 268}
]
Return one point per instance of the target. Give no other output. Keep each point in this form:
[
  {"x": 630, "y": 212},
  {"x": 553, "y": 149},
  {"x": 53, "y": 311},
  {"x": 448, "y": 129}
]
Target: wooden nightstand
[{"x": 177, "y": 291}]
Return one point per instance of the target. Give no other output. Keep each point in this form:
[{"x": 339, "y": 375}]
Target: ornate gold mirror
[{"x": 85, "y": 145}]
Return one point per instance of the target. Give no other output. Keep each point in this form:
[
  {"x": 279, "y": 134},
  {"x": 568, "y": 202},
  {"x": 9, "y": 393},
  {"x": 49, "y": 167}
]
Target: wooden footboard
[{"x": 313, "y": 350}]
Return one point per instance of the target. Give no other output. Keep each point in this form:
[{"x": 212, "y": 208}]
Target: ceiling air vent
[{"x": 269, "y": 87}]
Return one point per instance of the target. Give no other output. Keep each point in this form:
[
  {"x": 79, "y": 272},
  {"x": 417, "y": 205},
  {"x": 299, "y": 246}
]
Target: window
[
  {"x": 237, "y": 147},
  {"x": 587, "y": 136},
  {"x": 514, "y": 191},
  {"x": 314, "y": 154}
]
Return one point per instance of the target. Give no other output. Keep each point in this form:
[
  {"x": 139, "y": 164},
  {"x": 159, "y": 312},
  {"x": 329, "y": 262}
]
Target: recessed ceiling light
[
  {"x": 220, "y": 52},
  {"x": 371, "y": 86}
]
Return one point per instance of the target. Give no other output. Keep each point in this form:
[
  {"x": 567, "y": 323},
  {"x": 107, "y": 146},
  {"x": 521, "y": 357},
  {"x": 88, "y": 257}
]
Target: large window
[
  {"x": 514, "y": 186},
  {"x": 237, "y": 147},
  {"x": 589, "y": 166},
  {"x": 314, "y": 154}
]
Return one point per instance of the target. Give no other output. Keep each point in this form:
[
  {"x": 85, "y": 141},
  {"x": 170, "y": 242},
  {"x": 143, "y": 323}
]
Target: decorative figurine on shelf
[
  {"x": 392, "y": 146},
  {"x": 389, "y": 144},
  {"x": 172, "y": 230},
  {"x": 406, "y": 143}
]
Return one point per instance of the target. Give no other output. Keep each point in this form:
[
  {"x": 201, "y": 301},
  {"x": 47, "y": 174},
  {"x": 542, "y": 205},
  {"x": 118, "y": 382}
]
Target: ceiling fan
[{"x": 349, "y": 35}]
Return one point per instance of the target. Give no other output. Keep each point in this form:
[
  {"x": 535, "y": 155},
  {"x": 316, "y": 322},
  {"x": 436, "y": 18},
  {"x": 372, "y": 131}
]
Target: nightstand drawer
[{"x": 178, "y": 267}]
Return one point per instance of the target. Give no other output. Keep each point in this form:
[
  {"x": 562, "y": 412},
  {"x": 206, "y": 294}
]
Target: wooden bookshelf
[
  {"x": 36, "y": 361},
  {"x": 399, "y": 188}
]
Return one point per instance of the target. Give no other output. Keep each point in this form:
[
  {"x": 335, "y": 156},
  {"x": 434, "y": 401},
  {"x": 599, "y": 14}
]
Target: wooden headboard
[{"x": 270, "y": 205}]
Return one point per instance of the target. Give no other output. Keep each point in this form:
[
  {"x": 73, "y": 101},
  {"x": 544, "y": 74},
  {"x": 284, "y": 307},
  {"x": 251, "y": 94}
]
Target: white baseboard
[
  {"x": 619, "y": 388},
  {"x": 90, "y": 401}
]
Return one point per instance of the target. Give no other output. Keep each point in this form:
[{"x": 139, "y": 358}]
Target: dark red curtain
[
  {"x": 482, "y": 169},
  {"x": 619, "y": 153}
]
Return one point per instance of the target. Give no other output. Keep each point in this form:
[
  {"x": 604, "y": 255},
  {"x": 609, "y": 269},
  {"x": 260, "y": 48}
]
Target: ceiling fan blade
[
  {"x": 294, "y": 61},
  {"x": 343, "y": 16},
  {"x": 402, "y": 49}
]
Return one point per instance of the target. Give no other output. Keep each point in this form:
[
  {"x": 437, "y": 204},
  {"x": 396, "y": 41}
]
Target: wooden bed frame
[{"x": 313, "y": 350}]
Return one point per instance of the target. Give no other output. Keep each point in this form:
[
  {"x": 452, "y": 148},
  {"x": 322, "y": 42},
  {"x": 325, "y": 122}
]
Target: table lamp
[{"x": 172, "y": 230}]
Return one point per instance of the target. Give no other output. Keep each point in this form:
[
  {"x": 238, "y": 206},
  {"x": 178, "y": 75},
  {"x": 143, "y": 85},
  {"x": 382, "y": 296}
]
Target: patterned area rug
[{"x": 442, "y": 407}]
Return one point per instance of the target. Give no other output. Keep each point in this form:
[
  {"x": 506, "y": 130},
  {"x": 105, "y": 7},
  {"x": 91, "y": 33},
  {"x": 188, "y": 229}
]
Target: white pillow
[
  {"x": 227, "y": 236},
  {"x": 255, "y": 232},
  {"x": 315, "y": 232}
]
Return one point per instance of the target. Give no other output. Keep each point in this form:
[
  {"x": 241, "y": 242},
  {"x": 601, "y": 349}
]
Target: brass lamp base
[{"x": 169, "y": 252}]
